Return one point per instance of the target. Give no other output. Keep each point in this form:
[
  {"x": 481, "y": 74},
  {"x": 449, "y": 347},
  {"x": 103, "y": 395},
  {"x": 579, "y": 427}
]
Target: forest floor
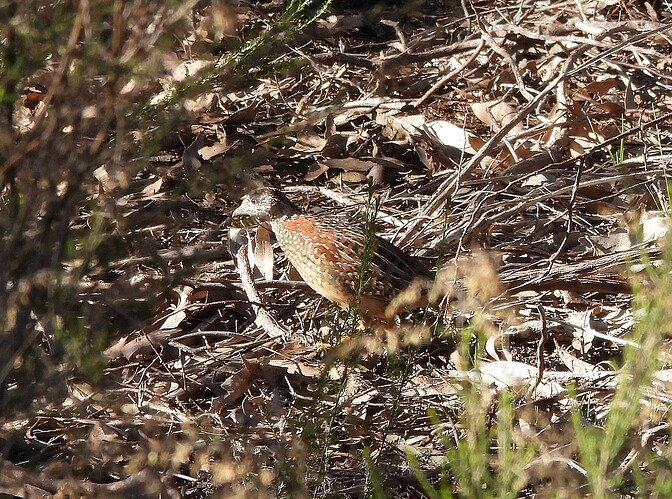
[{"x": 520, "y": 149}]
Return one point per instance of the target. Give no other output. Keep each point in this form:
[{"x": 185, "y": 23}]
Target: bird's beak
[{"x": 246, "y": 214}]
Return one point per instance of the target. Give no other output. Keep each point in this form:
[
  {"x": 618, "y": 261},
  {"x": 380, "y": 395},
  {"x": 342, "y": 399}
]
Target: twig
[
  {"x": 540, "y": 347},
  {"x": 263, "y": 319},
  {"x": 14, "y": 479},
  {"x": 447, "y": 77},
  {"x": 509, "y": 60},
  {"x": 437, "y": 201},
  {"x": 570, "y": 220}
]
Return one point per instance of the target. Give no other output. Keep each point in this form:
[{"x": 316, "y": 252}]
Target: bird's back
[{"x": 328, "y": 252}]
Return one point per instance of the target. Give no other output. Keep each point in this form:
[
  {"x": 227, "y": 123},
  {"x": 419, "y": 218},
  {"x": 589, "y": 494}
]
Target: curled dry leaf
[
  {"x": 516, "y": 376},
  {"x": 176, "y": 313},
  {"x": 315, "y": 171},
  {"x": 152, "y": 189},
  {"x": 655, "y": 225},
  {"x": 573, "y": 363},
  {"x": 496, "y": 114},
  {"x": 236, "y": 385},
  {"x": 354, "y": 168},
  {"x": 216, "y": 149},
  {"x": 447, "y": 134},
  {"x": 597, "y": 94},
  {"x": 263, "y": 251},
  {"x": 350, "y": 164},
  {"x": 237, "y": 238},
  {"x": 191, "y": 157},
  {"x": 308, "y": 141},
  {"x": 492, "y": 345},
  {"x": 584, "y": 334},
  {"x": 398, "y": 127},
  {"x": 335, "y": 146}
]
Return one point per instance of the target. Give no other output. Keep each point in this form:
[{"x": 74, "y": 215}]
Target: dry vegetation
[{"x": 521, "y": 148}]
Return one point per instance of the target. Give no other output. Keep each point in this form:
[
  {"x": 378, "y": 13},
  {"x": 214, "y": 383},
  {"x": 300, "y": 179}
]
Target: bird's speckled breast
[{"x": 319, "y": 256}]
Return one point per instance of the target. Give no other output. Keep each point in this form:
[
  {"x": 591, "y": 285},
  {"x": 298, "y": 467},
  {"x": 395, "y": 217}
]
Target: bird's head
[{"x": 263, "y": 205}]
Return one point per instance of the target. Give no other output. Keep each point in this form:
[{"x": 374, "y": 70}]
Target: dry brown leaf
[
  {"x": 316, "y": 170},
  {"x": 517, "y": 377},
  {"x": 655, "y": 225},
  {"x": 611, "y": 108},
  {"x": 450, "y": 135},
  {"x": 178, "y": 314},
  {"x": 538, "y": 180},
  {"x": 308, "y": 141},
  {"x": 216, "y": 149},
  {"x": 400, "y": 127},
  {"x": 497, "y": 114},
  {"x": 244, "y": 115},
  {"x": 186, "y": 69},
  {"x": 573, "y": 363},
  {"x": 201, "y": 104},
  {"x": 101, "y": 432},
  {"x": 600, "y": 88},
  {"x": 335, "y": 146},
  {"x": 191, "y": 157},
  {"x": 583, "y": 137},
  {"x": 236, "y": 385},
  {"x": 349, "y": 164},
  {"x": 492, "y": 345},
  {"x": 297, "y": 367},
  {"x": 584, "y": 334},
  {"x": 107, "y": 182},
  {"x": 152, "y": 188},
  {"x": 629, "y": 97},
  {"x": 263, "y": 251}
]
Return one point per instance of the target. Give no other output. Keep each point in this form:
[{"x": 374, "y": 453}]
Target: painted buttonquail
[{"x": 327, "y": 252}]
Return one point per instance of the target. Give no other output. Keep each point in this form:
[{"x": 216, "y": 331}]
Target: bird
[{"x": 329, "y": 253}]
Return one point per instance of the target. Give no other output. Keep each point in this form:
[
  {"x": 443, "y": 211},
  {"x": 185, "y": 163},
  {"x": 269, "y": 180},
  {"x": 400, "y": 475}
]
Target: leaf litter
[{"x": 494, "y": 130}]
